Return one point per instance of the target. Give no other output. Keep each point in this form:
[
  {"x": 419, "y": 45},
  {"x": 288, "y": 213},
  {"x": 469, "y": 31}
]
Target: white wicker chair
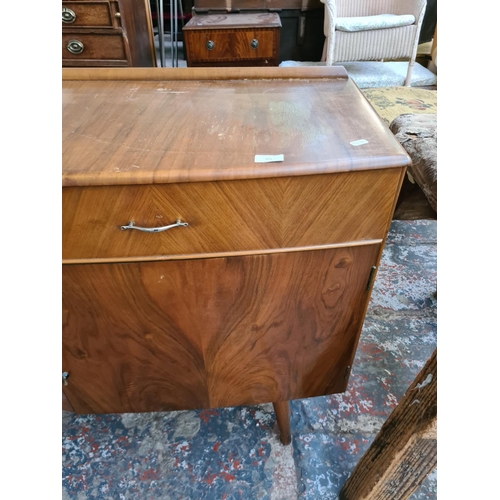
[{"x": 350, "y": 33}]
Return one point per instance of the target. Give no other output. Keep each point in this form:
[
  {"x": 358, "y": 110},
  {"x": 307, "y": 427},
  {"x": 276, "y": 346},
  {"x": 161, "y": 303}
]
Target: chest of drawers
[
  {"x": 233, "y": 40},
  {"x": 107, "y": 33},
  {"x": 252, "y": 282}
]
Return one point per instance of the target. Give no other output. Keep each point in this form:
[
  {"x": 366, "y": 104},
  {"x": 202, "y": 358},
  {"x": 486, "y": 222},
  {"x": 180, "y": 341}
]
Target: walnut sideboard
[{"x": 252, "y": 283}]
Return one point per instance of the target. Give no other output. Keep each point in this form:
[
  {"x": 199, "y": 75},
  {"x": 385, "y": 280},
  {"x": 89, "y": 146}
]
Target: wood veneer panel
[
  {"x": 214, "y": 332},
  {"x": 232, "y": 216}
]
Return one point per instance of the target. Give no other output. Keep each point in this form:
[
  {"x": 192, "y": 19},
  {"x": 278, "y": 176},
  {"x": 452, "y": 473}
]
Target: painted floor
[{"x": 234, "y": 453}]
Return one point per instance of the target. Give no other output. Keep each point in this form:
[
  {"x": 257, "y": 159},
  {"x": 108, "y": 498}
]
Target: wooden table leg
[
  {"x": 282, "y": 410},
  {"x": 404, "y": 451}
]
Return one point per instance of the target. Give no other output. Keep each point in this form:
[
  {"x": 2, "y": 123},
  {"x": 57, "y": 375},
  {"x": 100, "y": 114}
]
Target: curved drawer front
[{"x": 227, "y": 216}]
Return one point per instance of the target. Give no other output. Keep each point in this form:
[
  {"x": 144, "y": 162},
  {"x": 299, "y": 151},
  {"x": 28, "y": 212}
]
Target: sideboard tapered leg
[{"x": 282, "y": 410}]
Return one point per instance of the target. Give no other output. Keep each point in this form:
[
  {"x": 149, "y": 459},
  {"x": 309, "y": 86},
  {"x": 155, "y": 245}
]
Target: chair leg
[
  {"x": 408, "y": 74},
  {"x": 282, "y": 410}
]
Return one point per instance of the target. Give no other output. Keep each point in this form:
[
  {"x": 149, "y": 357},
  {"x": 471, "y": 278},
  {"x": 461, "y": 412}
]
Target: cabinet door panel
[{"x": 157, "y": 336}]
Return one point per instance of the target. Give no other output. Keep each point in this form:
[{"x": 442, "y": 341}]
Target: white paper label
[
  {"x": 268, "y": 158},
  {"x": 359, "y": 142}
]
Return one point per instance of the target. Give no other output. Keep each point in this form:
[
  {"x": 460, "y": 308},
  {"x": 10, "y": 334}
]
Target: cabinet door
[{"x": 171, "y": 335}]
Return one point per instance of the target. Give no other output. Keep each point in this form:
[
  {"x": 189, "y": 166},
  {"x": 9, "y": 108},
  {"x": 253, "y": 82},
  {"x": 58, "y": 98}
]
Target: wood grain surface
[
  {"x": 227, "y": 216},
  {"x": 148, "y": 132},
  {"x": 213, "y": 332}
]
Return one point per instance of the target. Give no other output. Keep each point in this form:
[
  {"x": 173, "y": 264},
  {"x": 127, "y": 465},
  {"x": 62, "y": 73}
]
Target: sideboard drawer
[
  {"x": 227, "y": 216},
  {"x": 93, "y": 46},
  {"x": 86, "y": 14}
]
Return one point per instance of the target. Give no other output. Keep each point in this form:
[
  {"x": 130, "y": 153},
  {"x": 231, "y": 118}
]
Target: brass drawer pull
[
  {"x": 65, "y": 376},
  {"x": 75, "y": 46},
  {"x": 153, "y": 229},
  {"x": 210, "y": 45},
  {"x": 254, "y": 43},
  {"x": 68, "y": 16}
]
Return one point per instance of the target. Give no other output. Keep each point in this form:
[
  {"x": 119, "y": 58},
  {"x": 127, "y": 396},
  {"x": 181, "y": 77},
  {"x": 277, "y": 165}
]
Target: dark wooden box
[
  {"x": 301, "y": 33},
  {"x": 250, "y": 39}
]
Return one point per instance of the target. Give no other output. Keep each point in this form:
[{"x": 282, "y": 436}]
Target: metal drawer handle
[
  {"x": 75, "y": 46},
  {"x": 210, "y": 45},
  {"x": 153, "y": 229},
  {"x": 254, "y": 43},
  {"x": 68, "y": 16}
]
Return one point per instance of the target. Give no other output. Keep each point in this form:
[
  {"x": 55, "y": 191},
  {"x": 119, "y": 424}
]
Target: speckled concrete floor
[{"x": 234, "y": 453}]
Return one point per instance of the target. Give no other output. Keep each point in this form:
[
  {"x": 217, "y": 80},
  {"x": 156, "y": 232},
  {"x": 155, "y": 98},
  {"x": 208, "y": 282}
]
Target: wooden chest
[
  {"x": 107, "y": 33},
  {"x": 233, "y": 40},
  {"x": 252, "y": 282}
]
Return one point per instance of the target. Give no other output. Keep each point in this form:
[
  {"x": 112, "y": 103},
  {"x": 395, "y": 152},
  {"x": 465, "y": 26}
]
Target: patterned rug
[{"x": 390, "y": 102}]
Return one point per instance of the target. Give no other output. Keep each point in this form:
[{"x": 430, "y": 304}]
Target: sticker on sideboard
[
  {"x": 359, "y": 142},
  {"x": 268, "y": 158}
]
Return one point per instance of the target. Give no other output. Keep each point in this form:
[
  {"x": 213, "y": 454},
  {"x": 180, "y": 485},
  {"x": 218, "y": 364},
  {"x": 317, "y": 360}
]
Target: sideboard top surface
[{"x": 145, "y": 126}]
